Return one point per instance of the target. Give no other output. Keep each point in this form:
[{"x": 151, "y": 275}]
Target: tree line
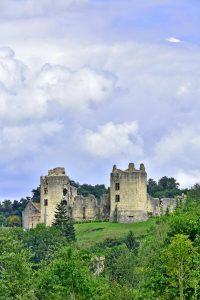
[{"x": 44, "y": 263}]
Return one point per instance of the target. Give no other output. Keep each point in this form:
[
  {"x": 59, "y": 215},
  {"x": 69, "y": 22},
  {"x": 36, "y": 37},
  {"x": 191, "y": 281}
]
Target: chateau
[{"x": 128, "y": 200}]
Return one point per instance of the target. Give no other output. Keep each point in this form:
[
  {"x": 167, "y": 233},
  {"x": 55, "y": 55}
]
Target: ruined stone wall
[
  {"x": 85, "y": 208},
  {"x": 54, "y": 188},
  {"x": 104, "y": 207},
  {"x": 128, "y": 194},
  {"x": 30, "y": 217},
  {"x": 161, "y": 206},
  {"x": 128, "y": 200}
]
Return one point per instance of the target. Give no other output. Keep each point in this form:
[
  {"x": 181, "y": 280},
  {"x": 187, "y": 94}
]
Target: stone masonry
[{"x": 128, "y": 200}]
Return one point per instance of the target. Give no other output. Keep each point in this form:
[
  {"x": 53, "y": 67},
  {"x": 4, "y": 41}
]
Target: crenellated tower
[
  {"x": 55, "y": 187},
  {"x": 128, "y": 194}
]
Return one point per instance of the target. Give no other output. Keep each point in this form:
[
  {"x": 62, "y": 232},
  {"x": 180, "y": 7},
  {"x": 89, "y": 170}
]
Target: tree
[
  {"x": 13, "y": 221},
  {"x": 16, "y": 270},
  {"x": 61, "y": 215},
  {"x": 44, "y": 242},
  {"x": 131, "y": 243},
  {"x": 98, "y": 190},
  {"x": 70, "y": 232},
  {"x": 36, "y": 194},
  {"x": 178, "y": 258},
  {"x": 2, "y": 220},
  {"x": 66, "y": 277},
  {"x": 152, "y": 187}
]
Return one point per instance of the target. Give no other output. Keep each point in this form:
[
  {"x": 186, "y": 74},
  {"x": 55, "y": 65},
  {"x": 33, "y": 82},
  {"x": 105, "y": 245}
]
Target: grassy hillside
[{"x": 91, "y": 233}]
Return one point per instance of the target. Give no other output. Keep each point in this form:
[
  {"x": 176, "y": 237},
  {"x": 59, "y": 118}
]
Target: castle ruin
[{"x": 128, "y": 200}]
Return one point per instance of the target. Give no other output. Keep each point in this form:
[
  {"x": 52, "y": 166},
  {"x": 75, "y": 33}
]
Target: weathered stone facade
[
  {"x": 128, "y": 200},
  {"x": 31, "y": 215},
  {"x": 128, "y": 194},
  {"x": 54, "y": 188}
]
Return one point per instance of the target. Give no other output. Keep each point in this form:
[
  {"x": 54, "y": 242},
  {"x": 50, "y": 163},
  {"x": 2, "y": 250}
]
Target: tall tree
[
  {"x": 178, "y": 258},
  {"x": 61, "y": 215},
  {"x": 70, "y": 231}
]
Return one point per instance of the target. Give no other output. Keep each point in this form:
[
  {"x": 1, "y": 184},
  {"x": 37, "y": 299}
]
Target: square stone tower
[
  {"x": 128, "y": 194},
  {"x": 54, "y": 188}
]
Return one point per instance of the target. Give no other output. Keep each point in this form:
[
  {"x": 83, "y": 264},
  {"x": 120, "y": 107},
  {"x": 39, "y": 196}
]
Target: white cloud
[
  {"x": 12, "y": 71},
  {"x": 179, "y": 148},
  {"x": 32, "y": 8},
  {"x": 173, "y": 40},
  {"x": 34, "y": 95},
  {"x": 24, "y": 140},
  {"x": 111, "y": 140},
  {"x": 188, "y": 178},
  {"x": 74, "y": 89}
]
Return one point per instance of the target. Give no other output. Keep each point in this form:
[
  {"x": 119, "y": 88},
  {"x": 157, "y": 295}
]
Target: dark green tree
[
  {"x": 61, "y": 215},
  {"x": 43, "y": 242},
  {"x": 36, "y": 194},
  {"x": 152, "y": 187},
  {"x": 2, "y": 220},
  {"x": 97, "y": 190},
  {"x": 131, "y": 242},
  {"x": 70, "y": 231}
]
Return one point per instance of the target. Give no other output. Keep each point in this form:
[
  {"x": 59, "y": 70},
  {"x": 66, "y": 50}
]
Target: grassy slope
[{"x": 90, "y": 233}]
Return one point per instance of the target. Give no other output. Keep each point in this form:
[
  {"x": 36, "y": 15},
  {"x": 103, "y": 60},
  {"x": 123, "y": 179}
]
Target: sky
[{"x": 86, "y": 84}]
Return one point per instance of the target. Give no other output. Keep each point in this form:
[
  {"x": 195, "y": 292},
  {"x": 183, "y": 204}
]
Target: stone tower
[
  {"x": 54, "y": 188},
  {"x": 128, "y": 194}
]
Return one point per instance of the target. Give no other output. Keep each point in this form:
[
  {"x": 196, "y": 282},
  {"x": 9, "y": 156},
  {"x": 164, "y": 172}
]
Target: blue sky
[{"x": 86, "y": 84}]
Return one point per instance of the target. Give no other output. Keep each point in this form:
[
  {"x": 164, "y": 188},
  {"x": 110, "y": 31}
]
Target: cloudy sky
[{"x": 85, "y": 84}]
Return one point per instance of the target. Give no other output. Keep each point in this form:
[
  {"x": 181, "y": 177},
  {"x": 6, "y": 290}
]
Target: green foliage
[
  {"x": 178, "y": 259},
  {"x": 15, "y": 267},
  {"x": 66, "y": 277},
  {"x": 131, "y": 242},
  {"x": 97, "y": 190},
  {"x": 70, "y": 232},
  {"x": 165, "y": 188},
  {"x": 158, "y": 259},
  {"x": 2, "y": 220},
  {"x": 61, "y": 215},
  {"x": 13, "y": 221},
  {"x": 36, "y": 194},
  {"x": 43, "y": 242}
]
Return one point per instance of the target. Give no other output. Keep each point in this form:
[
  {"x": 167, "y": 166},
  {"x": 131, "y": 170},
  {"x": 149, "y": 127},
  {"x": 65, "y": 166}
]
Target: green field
[{"x": 90, "y": 233}]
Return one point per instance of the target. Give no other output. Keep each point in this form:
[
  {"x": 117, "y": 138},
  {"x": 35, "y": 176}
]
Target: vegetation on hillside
[{"x": 159, "y": 262}]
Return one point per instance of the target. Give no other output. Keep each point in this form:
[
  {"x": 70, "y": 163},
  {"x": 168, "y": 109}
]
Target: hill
[{"x": 90, "y": 233}]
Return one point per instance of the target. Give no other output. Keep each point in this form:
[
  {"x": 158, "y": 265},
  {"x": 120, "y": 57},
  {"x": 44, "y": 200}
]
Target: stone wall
[
  {"x": 31, "y": 215},
  {"x": 128, "y": 194},
  {"x": 85, "y": 208},
  {"x": 54, "y": 188},
  {"x": 128, "y": 200}
]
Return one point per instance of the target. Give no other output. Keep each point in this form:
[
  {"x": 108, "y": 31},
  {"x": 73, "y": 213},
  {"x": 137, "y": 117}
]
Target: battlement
[
  {"x": 128, "y": 193},
  {"x": 131, "y": 169},
  {"x": 56, "y": 171}
]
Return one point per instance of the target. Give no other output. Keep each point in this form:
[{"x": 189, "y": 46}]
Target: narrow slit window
[
  {"x": 45, "y": 202},
  {"x": 117, "y": 198},
  {"x": 117, "y": 186}
]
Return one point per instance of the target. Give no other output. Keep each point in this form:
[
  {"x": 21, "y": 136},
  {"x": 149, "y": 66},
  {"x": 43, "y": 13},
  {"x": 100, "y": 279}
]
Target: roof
[{"x": 36, "y": 205}]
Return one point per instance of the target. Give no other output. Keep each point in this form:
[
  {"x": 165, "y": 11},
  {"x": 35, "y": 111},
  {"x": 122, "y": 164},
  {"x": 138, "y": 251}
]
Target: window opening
[
  {"x": 117, "y": 186},
  {"x": 117, "y": 198}
]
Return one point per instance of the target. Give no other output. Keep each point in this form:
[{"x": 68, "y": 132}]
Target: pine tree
[
  {"x": 70, "y": 231},
  {"x": 61, "y": 215},
  {"x": 131, "y": 242}
]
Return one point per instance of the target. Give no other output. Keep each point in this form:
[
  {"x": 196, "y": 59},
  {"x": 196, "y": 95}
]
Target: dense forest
[{"x": 49, "y": 263}]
